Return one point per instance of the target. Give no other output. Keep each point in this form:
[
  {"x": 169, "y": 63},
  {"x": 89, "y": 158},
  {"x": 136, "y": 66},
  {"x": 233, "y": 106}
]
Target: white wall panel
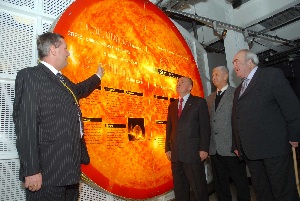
[
  {"x": 10, "y": 187},
  {"x": 17, "y": 42},
  {"x": 7, "y": 136}
]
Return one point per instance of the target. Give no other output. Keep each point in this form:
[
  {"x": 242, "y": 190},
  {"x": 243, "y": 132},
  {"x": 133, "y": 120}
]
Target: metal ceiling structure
[{"x": 275, "y": 36}]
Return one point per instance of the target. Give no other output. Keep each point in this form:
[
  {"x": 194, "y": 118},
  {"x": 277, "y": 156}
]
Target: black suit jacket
[
  {"x": 47, "y": 125},
  {"x": 266, "y": 117},
  {"x": 186, "y": 136}
]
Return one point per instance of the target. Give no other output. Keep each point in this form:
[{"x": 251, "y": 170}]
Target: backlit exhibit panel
[{"x": 125, "y": 118}]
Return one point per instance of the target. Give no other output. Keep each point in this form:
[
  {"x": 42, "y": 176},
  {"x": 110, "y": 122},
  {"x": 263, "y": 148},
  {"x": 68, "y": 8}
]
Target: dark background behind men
[
  {"x": 291, "y": 70},
  {"x": 266, "y": 122},
  {"x": 48, "y": 124},
  {"x": 187, "y": 143}
]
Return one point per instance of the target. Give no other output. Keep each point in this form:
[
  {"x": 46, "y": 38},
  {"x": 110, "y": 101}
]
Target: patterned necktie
[
  {"x": 244, "y": 86},
  {"x": 180, "y": 107},
  {"x": 61, "y": 77}
]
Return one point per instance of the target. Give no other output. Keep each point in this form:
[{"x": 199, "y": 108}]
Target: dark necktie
[
  {"x": 218, "y": 99},
  {"x": 180, "y": 107}
]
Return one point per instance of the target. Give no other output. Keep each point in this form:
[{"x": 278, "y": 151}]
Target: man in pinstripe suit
[
  {"x": 48, "y": 123},
  {"x": 224, "y": 162}
]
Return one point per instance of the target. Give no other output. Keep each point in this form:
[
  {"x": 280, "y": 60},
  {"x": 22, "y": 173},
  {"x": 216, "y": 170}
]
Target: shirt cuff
[{"x": 98, "y": 75}]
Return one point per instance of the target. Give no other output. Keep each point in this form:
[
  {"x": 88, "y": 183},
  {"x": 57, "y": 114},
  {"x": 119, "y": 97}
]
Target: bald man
[{"x": 187, "y": 142}]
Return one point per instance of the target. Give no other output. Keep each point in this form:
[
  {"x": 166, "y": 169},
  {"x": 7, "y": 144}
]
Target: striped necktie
[{"x": 244, "y": 86}]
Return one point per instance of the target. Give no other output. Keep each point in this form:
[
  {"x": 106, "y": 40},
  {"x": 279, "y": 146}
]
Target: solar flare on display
[{"x": 143, "y": 55}]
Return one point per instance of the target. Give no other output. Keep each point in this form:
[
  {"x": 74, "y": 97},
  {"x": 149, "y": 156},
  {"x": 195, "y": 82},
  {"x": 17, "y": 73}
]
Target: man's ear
[
  {"x": 250, "y": 62},
  {"x": 226, "y": 76},
  {"x": 52, "y": 50}
]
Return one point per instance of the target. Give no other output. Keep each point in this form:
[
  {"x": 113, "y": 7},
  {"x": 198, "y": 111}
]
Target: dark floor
[{"x": 213, "y": 197}]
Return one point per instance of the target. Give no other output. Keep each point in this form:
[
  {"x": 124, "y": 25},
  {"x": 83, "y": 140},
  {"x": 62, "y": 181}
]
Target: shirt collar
[
  {"x": 185, "y": 97},
  {"x": 53, "y": 70},
  {"x": 223, "y": 89},
  {"x": 251, "y": 74}
]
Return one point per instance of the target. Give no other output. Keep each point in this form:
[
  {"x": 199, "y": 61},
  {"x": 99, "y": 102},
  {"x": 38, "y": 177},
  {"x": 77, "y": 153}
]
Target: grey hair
[
  {"x": 250, "y": 55},
  {"x": 45, "y": 41},
  {"x": 223, "y": 69}
]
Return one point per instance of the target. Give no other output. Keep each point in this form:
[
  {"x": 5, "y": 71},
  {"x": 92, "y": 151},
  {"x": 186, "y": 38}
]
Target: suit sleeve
[
  {"x": 288, "y": 103},
  {"x": 168, "y": 132},
  {"x": 86, "y": 87},
  {"x": 25, "y": 116},
  {"x": 204, "y": 126}
]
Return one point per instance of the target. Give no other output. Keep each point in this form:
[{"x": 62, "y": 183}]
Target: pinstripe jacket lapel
[{"x": 51, "y": 75}]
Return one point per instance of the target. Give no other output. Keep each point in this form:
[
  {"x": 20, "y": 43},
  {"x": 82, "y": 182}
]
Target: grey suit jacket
[
  {"x": 266, "y": 117},
  {"x": 220, "y": 121},
  {"x": 47, "y": 125},
  {"x": 186, "y": 136}
]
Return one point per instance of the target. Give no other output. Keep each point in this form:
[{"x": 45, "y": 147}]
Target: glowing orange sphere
[{"x": 143, "y": 54}]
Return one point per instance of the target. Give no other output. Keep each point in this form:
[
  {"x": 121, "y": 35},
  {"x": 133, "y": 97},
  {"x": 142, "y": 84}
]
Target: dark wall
[{"x": 291, "y": 71}]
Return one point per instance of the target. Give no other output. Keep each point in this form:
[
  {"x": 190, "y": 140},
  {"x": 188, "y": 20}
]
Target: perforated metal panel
[
  {"x": 24, "y": 3},
  {"x": 7, "y": 136},
  {"x": 10, "y": 186},
  {"x": 55, "y": 7},
  {"x": 46, "y": 25},
  {"x": 17, "y": 39}
]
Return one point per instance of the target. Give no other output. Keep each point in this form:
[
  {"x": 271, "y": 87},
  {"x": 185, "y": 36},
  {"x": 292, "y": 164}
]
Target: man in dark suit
[
  {"x": 48, "y": 123},
  {"x": 266, "y": 125},
  {"x": 187, "y": 142},
  {"x": 224, "y": 162}
]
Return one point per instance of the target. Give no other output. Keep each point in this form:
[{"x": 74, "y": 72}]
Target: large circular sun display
[{"x": 143, "y": 55}]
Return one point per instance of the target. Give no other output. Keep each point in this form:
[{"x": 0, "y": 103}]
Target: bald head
[{"x": 184, "y": 86}]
